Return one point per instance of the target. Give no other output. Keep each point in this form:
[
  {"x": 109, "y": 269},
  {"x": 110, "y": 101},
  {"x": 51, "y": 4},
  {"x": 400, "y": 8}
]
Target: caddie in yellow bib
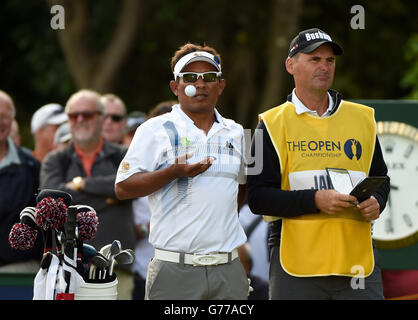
[
  {"x": 322, "y": 244},
  {"x": 320, "y": 238}
]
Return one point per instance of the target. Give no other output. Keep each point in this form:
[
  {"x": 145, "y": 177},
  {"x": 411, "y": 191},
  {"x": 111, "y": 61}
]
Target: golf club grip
[
  {"x": 70, "y": 241},
  {"x": 69, "y": 226},
  {"x": 48, "y": 242}
]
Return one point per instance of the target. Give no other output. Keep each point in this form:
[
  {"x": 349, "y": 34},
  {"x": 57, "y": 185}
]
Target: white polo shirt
[{"x": 191, "y": 215}]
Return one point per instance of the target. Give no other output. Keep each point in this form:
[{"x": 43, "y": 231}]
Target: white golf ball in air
[{"x": 190, "y": 90}]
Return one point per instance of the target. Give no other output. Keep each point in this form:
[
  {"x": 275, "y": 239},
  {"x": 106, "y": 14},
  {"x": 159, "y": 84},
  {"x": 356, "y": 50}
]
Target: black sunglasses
[
  {"x": 87, "y": 115},
  {"x": 193, "y": 76},
  {"x": 115, "y": 117}
]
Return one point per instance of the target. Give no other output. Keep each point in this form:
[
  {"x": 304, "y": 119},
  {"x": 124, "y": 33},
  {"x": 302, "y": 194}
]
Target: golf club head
[
  {"x": 105, "y": 250},
  {"x": 29, "y": 212},
  {"x": 124, "y": 257},
  {"x": 84, "y": 208},
  {"x": 88, "y": 252},
  {"x": 131, "y": 252},
  {"x": 115, "y": 248},
  {"x": 52, "y": 209},
  {"x": 22, "y": 237},
  {"x": 55, "y": 194},
  {"x": 27, "y": 216},
  {"x": 87, "y": 222}
]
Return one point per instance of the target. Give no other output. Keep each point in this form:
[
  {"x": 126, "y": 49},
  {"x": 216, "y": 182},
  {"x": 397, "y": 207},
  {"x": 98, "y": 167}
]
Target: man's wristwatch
[{"x": 77, "y": 182}]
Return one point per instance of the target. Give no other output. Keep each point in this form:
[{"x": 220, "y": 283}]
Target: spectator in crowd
[
  {"x": 86, "y": 169},
  {"x": 114, "y": 123},
  {"x": 136, "y": 118},
  {"x": 62, "y": 136},
  {"x": 19, "y": 182},
  {"x": 260, "y": 286},
  {"x": 45, "y": 121},
  {"x": 194, "y": 221},
  {"x": 133, "y": 121},
  {"x": 161, "y": 108},
  {"x": 14, "y": 133}
]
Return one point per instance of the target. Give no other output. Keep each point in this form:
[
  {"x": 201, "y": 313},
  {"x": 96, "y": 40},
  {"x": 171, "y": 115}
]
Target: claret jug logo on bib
[{"x": 352, "y": 149}]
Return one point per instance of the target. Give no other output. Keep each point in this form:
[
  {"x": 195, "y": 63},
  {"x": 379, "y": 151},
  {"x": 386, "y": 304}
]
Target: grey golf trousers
[{"x": 177, "y": 281}]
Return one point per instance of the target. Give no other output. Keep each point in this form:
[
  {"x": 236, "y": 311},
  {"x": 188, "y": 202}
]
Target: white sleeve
[{"x": 142, "y": 155}]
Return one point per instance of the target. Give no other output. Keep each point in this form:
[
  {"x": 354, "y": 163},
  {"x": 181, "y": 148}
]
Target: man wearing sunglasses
[
  {"x": 114, "y": 123},
  {"x": 189, "y": 161},
  {"x": 86, "y": 169}
]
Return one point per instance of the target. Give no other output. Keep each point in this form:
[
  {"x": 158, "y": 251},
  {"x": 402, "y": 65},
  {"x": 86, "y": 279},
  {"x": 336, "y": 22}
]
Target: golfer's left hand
[{"x": 369, "y": 209}]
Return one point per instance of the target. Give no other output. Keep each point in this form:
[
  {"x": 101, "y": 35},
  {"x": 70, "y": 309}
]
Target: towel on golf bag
[
  {"x": 65, "y": 291},
  {"x": 45, "y": 281}
]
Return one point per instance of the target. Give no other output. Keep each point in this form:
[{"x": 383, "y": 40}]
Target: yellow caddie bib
[{"x": 320, "y": 244}]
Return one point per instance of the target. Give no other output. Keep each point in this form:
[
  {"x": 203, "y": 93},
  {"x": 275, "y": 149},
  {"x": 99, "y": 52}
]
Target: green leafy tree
[{"x": 410, "y": 79}]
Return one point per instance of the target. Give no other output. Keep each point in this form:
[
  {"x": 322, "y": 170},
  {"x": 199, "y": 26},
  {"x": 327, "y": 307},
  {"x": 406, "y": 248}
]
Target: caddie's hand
[
  {"x": 182, "y": 169},
  {"x": 331, "y": 201},
  {"x": 369, "y": 209}
]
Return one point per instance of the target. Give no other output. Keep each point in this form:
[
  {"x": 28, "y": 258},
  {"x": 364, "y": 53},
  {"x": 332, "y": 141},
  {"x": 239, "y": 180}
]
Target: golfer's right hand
[{"x": 183, "y": 169}]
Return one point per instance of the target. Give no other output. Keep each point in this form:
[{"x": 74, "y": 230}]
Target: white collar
[
  {"x": 301, "y": 108},
  {"x": 179, "y": 113}
]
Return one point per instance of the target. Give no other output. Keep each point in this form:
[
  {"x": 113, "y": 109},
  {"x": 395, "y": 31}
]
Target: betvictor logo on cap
[{"x": 317, "y": 35}]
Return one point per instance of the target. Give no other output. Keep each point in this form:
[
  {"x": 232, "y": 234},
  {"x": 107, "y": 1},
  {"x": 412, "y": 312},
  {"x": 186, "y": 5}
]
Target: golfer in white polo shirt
[{"x": 190, "y": 163}]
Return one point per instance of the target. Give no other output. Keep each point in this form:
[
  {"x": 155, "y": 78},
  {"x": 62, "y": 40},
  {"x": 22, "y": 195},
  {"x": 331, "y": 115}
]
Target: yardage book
[
  {"x": 367, "y": 187},
  {"x": 341, "y": 181}
]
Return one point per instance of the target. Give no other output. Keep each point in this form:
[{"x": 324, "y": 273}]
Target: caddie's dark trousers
[{"x": 286, "y": 287}]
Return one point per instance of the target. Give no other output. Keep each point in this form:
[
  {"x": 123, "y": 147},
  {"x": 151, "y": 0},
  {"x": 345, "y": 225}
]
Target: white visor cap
[
  {"x": 197, "y": 56},
  {"x": 52, "y": 113}
]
